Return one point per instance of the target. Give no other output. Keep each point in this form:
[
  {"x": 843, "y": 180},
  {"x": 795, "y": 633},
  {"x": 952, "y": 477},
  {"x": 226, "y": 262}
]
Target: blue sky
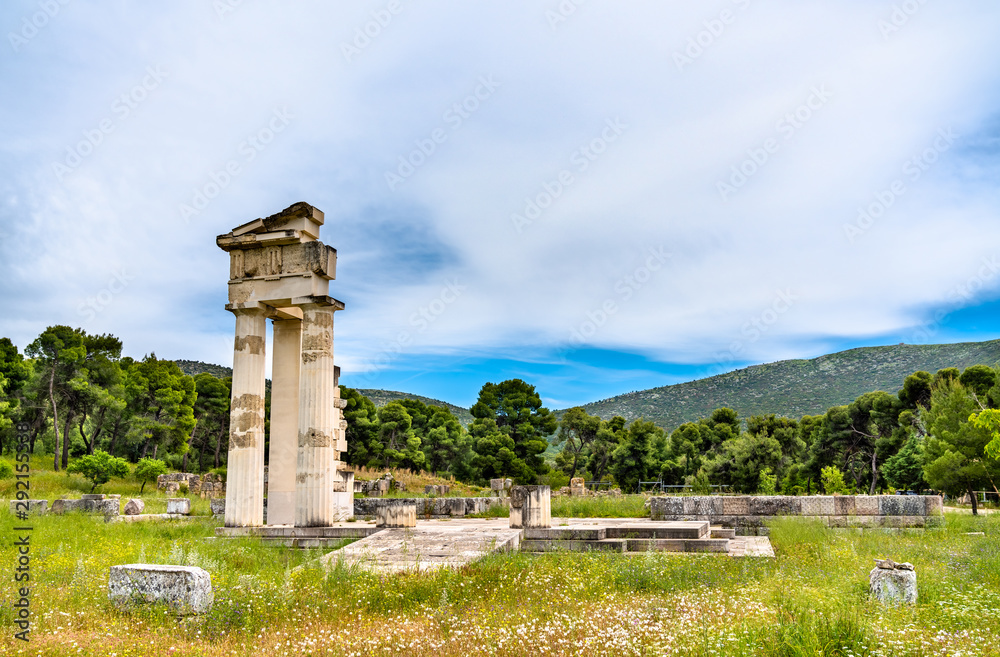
[{"x": 597, "y": 197}]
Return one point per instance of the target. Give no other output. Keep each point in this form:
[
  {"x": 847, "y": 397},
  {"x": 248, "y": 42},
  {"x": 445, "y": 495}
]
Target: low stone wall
[
  {"x": 208, "y": 485},
  {"x": 748, "y": 514},
  {"x": 428, "y": 507}
]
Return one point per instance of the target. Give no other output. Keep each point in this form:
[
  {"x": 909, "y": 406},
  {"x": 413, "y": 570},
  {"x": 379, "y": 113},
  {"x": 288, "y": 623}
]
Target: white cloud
[{"x": 654, "y": 186}]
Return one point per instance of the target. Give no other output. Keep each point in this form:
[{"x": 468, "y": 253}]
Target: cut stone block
[
  {"x": 565, "y": 533},
  {"x": 607, "y": 545},
  {"x": 656, "y": 545},
  {"x": 530, "y": 506},
  {"x": 893, "y": 587},
  {"x": 92, "y": 496},
  {"x": 866, "y": 505},
  {"x": 775, "y": 505},
  {"x": 818, "y": 505},
  {"x": 396, "y": 516},
  {"x": 218, "y": 505},
  {"x": 134, "y": 507},
  {"x": 671, "y": 529},
  {"x": 933, "y": 505},
  {"x": 186, "y": 589},
  {"x": 29, "y": 506},
  {"x": 702, "y": 505},
  {"x": 736, "y": 505},
  {"x": 843, "y": 505},
  {"x": 722, "y": 532},
  {"x": 706, "y": 545},
  {"x": 179, "y": 505},
  {"x": 901, "y": 505},
  {"x": 65, "y": 506},
  {"x": 666, "y": 508}
]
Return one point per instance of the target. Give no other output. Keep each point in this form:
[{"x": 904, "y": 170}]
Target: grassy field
[{"x": 810, "y": 600}]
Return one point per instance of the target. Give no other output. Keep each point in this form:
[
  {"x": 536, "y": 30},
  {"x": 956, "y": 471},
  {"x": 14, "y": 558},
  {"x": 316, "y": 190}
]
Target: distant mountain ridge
[{"x": 792, "y": 388}]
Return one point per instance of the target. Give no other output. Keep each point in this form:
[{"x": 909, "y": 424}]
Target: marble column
[
  {"x": 282, "y": 451},
  {"x": 315, "y": 504},
  {"x": 245, "y": 467}
]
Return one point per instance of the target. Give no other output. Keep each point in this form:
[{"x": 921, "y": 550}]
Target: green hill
[
  {"x": 383, "y": 397},
  {"x": 795, "y": 387},
  {"x": 378, "y": 397}
]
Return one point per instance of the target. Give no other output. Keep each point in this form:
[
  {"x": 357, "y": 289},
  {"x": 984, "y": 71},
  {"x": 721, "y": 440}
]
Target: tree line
[{"x": 75, "y": 393}]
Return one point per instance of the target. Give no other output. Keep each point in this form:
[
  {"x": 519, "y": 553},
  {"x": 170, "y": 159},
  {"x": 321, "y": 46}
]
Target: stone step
[
  {"x": 565, "y": 533},
  {"x": 723, "y": 532},
  {"x": 359, "y": 530},
  {"x": 684, "y": 529},
  {"x": 572, "y": 545}
]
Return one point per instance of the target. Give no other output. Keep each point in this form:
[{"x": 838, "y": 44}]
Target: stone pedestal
[
  {"x": 315, "y": 505},
  {"x": 245, "y": 468},
  {"x": 893, "y": 583},
  {"x": 179, "y": 506},
  {"x": 395, "y": 516},
  {"x": 284, "y": 441},
  {"x": 530, "y": 506}
]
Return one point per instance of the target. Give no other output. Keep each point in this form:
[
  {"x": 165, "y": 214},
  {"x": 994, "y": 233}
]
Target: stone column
[
  {"x": 315, "y": 505},
  {"x": 283, "y": 447},
  {"x": 245, "y": 468}
]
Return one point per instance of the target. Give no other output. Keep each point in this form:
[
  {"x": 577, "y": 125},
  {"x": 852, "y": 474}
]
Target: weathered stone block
[
  {"x": 735, "y": 505},
  {"x": 818, "y": 505},
  {"x": 843, "y": 505},
  {"x": 92, "y": 496},
  {"x": 893, "y": 586},
  {"x": 65, "y": 506},
  {"x": 398, "y": 515},
  {"x": 179, "y": 505},
  {"x": 775, "y": 505},
  {"x": 134, "y": 507},
  {"x": 218, "y": 505},
  {"x": 663, "y": 508},
  {"x": 702, "y": 505},
  {"x": 186, "y": 589},
  {"x": 933, "y": 505},
  {"x": 565, "y": 533},
  {"x": 34, "y": 507},
  {"x": 900, "y": 521},
  {"x": 901, "y": 505},
  {"x": 866, "y": 505},
  {"x": 456, "y": 506},
  {"x": 530, "y": 506}
]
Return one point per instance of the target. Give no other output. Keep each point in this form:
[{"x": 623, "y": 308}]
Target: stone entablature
[{"x": 749, "y": 513}]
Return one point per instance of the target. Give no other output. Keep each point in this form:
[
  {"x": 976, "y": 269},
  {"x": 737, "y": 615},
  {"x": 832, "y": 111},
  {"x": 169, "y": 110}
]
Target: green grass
[
  {"x": 811, "y": 599},
  {"x": 625, "y": 506}
]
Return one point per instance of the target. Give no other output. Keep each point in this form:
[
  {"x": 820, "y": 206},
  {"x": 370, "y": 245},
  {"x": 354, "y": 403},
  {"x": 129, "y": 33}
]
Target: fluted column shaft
[
  {"x": 315, "y": 505},
  {"x": 245, "y": 466},
  {"x": 283, "y": 445}
]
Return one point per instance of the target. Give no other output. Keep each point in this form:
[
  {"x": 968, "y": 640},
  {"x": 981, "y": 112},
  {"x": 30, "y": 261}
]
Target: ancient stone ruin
[
  {"x": 280, "y": 271},
  {"x": 206, "y": 486}
]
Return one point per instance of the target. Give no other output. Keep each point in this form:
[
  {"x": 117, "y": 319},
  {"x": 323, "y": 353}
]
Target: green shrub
[
  {"x": 6, "y": 470},
  {"x": 99, "y": 467}
]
